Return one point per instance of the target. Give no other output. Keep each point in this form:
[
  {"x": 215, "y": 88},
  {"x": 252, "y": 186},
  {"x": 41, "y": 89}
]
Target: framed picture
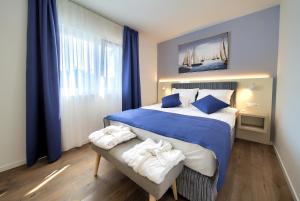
[{"x": 204, "y": 54}]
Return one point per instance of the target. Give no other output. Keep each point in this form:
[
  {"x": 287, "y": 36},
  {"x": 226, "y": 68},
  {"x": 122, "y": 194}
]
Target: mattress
[{"x": 198, "y": 158}]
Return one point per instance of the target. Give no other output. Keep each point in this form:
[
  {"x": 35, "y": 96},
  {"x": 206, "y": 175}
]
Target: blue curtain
[
  {"x": 43, "y": 131},
  {"x": 131, "y": 90}
]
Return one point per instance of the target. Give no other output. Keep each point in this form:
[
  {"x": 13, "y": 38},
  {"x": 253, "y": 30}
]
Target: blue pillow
[
  {"x": 209, "y": 104},
  {"x": 170, "y": 101}
]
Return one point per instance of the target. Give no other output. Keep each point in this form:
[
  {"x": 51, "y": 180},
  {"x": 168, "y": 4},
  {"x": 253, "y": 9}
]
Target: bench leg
[
  {"x": 151, "y": 198},
  {"x": 98, "y": 157},
  {"x": 174, "y": 188}
]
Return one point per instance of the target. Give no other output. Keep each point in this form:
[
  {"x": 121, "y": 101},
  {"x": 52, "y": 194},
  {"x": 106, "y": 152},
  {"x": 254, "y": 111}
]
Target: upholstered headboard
[{"x": 210, "y": 85}]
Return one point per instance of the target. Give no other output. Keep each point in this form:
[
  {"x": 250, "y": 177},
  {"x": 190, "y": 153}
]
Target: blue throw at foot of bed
[{"x": 209, "y": 133}]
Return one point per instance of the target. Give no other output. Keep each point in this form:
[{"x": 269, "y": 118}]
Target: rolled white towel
[
  {"x": 153, "y": 160},
  {"x": 111, "y": 136},
  {"x": 162, "y": 146},
  {"x": 95, "y": 135},
  {"x": 135, "y": 156},
  {"x": 156, "y": 168},
  {"x": 114, "y": 129}
]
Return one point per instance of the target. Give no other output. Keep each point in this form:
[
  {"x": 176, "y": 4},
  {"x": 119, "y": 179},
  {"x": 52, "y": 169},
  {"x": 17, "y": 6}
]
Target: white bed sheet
[
  {"x": 227, "y": 114},
  {"x": 198, "y": 158}
]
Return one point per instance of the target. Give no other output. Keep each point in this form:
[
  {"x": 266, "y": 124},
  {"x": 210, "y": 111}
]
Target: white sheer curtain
[{"x": 90, "y": 71}]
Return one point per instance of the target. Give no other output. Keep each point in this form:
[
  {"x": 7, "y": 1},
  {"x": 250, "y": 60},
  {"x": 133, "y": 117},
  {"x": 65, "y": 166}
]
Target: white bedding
[
  {"x": 198, "y": 158},
  {"x": 227, "y": 114}
]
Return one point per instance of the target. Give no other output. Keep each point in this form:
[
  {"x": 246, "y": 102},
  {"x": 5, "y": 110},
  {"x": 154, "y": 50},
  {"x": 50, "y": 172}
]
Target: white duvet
[{"x": 198, "y": 158}]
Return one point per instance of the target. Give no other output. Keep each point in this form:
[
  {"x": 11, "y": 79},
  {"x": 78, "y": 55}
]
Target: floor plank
[{"x": 253, "y": 174}]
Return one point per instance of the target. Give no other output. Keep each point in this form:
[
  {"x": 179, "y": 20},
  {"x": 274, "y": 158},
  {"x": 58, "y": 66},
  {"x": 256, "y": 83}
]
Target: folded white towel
[
  {"x": 153, "y": 160},
  {"x": 111, "y": 136}
]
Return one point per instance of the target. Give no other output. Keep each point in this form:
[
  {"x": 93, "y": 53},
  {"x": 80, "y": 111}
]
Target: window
[{"x": 88, "y": 65}]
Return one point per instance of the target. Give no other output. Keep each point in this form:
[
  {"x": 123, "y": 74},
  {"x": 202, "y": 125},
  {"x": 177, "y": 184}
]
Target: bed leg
[
  {"x": 98, "y": 157},
  {"x": 174, "y": 188},
  {"x": 151, "y": 198}
]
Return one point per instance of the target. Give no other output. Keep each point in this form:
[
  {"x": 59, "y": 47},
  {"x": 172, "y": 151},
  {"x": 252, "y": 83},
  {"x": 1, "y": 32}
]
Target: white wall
[
  {"x": 287, "y": 138},
  {"x": 13, "y": 23},
  {"x": 148, "y": 68}
]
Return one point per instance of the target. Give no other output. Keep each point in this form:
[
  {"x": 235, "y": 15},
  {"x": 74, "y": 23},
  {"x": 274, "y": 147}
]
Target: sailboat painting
[{"x": 204, "y": 54}]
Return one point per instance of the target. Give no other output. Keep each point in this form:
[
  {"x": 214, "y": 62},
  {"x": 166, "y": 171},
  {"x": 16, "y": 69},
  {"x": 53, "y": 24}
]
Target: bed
[{"x": 198, "y": 180}]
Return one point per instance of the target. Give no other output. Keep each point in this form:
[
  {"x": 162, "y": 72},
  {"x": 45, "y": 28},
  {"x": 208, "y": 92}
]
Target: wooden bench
[{"x": 156, "y": 191}]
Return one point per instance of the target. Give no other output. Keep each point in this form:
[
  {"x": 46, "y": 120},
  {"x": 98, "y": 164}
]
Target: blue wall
[{"x": 253, "y": 46}]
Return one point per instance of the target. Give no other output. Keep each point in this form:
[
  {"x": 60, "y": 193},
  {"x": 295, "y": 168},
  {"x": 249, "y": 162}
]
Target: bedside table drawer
[
  {"x": 254, "y": 128},
  {"x": 255, "y": 122}
]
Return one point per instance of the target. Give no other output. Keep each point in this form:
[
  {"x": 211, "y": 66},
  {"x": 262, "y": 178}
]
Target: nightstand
[{"x": 253, "y": 127}]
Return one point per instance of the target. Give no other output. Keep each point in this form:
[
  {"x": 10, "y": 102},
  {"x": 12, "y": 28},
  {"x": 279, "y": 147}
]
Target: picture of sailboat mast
[{"x": 205, "y": 54}]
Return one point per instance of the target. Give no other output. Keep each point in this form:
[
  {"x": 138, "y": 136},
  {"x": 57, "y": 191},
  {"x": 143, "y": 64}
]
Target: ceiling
[{"x": 166, "y": 19}]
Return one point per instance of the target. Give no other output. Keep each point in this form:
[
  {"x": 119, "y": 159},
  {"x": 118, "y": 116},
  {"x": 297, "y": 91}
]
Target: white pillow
[
  {"x": 186, "y": 96},
  {"x": 221, "y": 94}
]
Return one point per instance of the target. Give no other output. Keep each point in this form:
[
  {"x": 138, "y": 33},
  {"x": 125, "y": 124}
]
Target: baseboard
[
  {"x": 12, "y": 165},
  {"x": 287, "y": 178}
]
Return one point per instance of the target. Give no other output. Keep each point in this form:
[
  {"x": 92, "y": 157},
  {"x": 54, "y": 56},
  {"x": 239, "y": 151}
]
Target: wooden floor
[{"x": 253, "y": 174}]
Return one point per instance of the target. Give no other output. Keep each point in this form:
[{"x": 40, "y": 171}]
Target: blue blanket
[{"x": 209, "y": 133}]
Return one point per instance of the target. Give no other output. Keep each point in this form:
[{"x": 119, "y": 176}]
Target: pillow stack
[
  {"x": 186, "y": 96},
  {"x": 208, "y": 100},
  {"x": 209, "y": 104},
  {"x": 171, "y": 101},
  {"x": 221, "y": 94}
]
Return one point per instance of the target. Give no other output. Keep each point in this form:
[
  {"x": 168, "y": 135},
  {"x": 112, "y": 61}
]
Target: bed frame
[
  {"x": 191, "y": 184},
  {"x": 209, "y": 85}
]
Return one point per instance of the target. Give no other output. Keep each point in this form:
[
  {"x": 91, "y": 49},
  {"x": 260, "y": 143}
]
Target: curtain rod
[{"x": 82, "y": 6}]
